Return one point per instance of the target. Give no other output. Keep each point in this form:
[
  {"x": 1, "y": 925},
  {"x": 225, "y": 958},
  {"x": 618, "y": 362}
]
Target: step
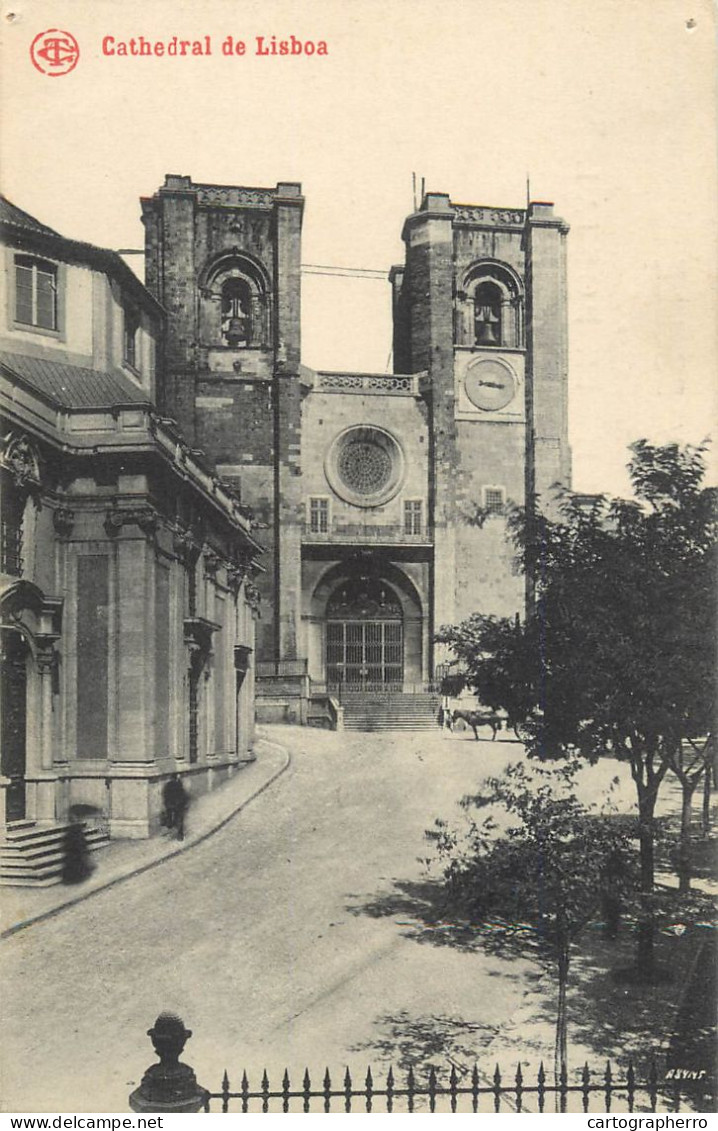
[
  {"x": 38, "y": 832},
  {"x": 32, "y": 856}
]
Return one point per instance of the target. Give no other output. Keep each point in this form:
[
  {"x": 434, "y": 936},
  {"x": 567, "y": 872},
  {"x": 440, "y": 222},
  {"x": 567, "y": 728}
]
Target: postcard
[{"x": 303, "y": 302}]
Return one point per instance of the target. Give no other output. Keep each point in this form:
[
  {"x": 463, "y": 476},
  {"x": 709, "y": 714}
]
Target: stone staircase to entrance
[
  {"x": 32, "y": 855},
  {"x": 390, "y": 711}
]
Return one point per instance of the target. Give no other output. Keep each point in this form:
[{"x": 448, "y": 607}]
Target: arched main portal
[{"x": 364, "y": 637}]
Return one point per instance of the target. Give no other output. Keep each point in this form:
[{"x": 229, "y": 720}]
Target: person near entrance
[{"x": 176, "y": 802}]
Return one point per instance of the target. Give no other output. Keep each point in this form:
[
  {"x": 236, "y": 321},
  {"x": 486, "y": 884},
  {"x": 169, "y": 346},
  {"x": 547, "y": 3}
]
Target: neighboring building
[
  {"x": 126, "y": 594},
  {"x": 365, "y": 481}
]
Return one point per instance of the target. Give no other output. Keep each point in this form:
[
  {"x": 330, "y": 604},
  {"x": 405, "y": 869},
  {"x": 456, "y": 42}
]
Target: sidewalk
[{"x": 121, "y": 859}]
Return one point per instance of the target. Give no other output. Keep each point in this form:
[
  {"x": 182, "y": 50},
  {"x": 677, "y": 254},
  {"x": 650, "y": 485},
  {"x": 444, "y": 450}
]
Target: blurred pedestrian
[
  {"x": 76, "y": 863},
  {"x": 176, "y": 801}
]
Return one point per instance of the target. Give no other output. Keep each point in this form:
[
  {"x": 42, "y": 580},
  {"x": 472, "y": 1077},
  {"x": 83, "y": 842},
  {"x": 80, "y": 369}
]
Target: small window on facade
[
  {"x": 319, "y": 516},
  {"x": 236, "y": 312},
  {"x": 487, "y": 315},
  {"x": 11, "y": 533},
  {"x": 131, "y": 332},
  {"x": 35, "y": 292},
  {"x": 494, "y": 500},
  {"x": 412, "y": 516}
]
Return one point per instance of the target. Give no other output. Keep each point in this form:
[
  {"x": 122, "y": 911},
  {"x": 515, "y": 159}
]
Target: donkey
[{"x": 475, "y": 720}]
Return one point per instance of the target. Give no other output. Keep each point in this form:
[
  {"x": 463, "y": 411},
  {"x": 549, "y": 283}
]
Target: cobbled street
[{"x": 282, "y": 940}]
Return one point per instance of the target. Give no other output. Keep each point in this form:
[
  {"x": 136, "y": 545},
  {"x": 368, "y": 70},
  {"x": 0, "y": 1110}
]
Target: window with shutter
[{"x": 35, "y": 292}]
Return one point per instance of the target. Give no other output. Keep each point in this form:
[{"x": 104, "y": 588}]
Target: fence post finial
[{"x": 169, "y": 1085}]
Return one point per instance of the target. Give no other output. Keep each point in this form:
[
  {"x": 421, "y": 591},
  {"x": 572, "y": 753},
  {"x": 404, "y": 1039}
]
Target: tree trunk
[
  {"x": 706, "y": 814},
  {"x": 646, "y": 930},
  {"x": 684, "y": 848}
]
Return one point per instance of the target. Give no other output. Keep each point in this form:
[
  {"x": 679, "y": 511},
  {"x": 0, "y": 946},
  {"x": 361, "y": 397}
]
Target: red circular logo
[{"x": 54, "y": 52}]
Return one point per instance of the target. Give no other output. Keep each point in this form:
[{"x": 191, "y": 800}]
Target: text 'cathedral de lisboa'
[{"x": 196, "y": 526}]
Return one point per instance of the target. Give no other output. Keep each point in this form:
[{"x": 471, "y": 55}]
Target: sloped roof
[
  {"x": 72, "y": 386},
  {"x": 22, "y": 230},
  {"x": 11, "y": 214}
]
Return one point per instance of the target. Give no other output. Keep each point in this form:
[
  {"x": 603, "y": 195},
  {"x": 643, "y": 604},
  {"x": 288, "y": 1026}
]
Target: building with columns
[
  {"x": 127, "y": 597},
  {"x": 365, "y": 485}
]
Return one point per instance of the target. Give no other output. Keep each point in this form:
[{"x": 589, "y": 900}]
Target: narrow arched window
[
  {"x": 236, "y": 312},
  {"x": 487, "y": 315}
]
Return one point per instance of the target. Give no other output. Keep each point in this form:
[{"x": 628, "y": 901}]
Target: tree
[
  {"x": 538, "y": 858},
  {"x": 496, "y": 659},
  {"x": 617, "y": 650}
]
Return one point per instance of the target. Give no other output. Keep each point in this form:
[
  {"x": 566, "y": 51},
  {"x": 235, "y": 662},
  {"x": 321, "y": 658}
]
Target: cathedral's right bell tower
[{"x": 480, "y": 308}]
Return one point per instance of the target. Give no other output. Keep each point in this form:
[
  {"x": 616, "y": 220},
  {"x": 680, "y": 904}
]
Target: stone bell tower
[
  {"x": 224, "y": 261},
  {"x": 480, "y": 306}
]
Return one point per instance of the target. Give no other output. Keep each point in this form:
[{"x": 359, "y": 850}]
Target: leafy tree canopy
[{"x": 617, "y": 651}]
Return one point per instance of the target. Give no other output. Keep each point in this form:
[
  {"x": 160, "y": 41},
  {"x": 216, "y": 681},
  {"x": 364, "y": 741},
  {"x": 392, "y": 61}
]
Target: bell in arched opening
[
  {"x": 236, "y": 312},
  {"x": 487, "y": 315}
]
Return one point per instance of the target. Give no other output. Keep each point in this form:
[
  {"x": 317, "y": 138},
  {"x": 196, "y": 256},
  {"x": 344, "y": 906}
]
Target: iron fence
[
  {"x": 467, "y": 1092},
  {"x": 173, "y": 1086}
]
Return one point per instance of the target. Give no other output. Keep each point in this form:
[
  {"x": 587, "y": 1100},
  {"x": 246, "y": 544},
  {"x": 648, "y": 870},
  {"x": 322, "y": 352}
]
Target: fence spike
[
  {"x": 608, "y": 1085},
  {"x": 541, "y": 1089},
  {"x": 475, "y": 1088},
  {"x": 285, "y": 1091},
  {"x": 369, "y": 1085},
  {"x": 630, "y": 1085},
  {"x": 327, "y": 1091},
  {"x": 390, "y": 1089},
  {"x": 453, "y": 1086},
  {"x": 307, "y": 1088},
  {"x": 518, "y": 1087},
  {"x": 347, "y": 1090},
  {"x": 410, "y": 1089},
  {"x": 432, "y": 1088},
  {"x": 497, "y": 1089},
  {"x": 653, "y": 1084},
  {"x": 586, "y": 1085},
  {"x": 225, "y": 1092},
  {"x": 245, "y": 1092},
  {"x": 563, "y": 1086}
]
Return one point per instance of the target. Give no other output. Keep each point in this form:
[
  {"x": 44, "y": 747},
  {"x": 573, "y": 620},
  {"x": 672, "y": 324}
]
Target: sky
[{"x": 609, "y": 108}]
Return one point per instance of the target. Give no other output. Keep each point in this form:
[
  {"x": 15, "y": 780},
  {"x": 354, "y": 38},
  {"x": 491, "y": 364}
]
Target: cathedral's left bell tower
[{"x": 224, "y": 261}]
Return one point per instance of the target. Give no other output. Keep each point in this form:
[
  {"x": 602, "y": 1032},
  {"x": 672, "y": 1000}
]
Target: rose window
[{"x": 365, "y": 466}]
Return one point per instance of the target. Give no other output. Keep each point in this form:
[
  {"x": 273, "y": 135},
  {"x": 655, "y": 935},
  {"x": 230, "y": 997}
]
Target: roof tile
[{"x": 73, "y": 386}]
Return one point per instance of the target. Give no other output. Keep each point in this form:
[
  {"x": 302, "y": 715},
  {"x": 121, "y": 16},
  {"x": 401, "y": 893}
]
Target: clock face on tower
[{"x": 490, "y": 385}]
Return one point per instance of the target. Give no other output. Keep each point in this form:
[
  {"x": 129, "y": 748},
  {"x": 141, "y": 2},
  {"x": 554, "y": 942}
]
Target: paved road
[{"x": 280, "y": 940}]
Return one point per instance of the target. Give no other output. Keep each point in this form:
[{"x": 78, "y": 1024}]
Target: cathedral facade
[{"x": 380, "y": 499}]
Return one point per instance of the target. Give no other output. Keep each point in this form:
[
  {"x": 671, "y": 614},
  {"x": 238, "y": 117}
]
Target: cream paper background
[{"x": 608, "y": 105}]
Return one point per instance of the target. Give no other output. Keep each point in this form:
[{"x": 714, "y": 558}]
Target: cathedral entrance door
[
  {"x": 365, "y": 638},
  {"x": 13, "y": 721}
]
